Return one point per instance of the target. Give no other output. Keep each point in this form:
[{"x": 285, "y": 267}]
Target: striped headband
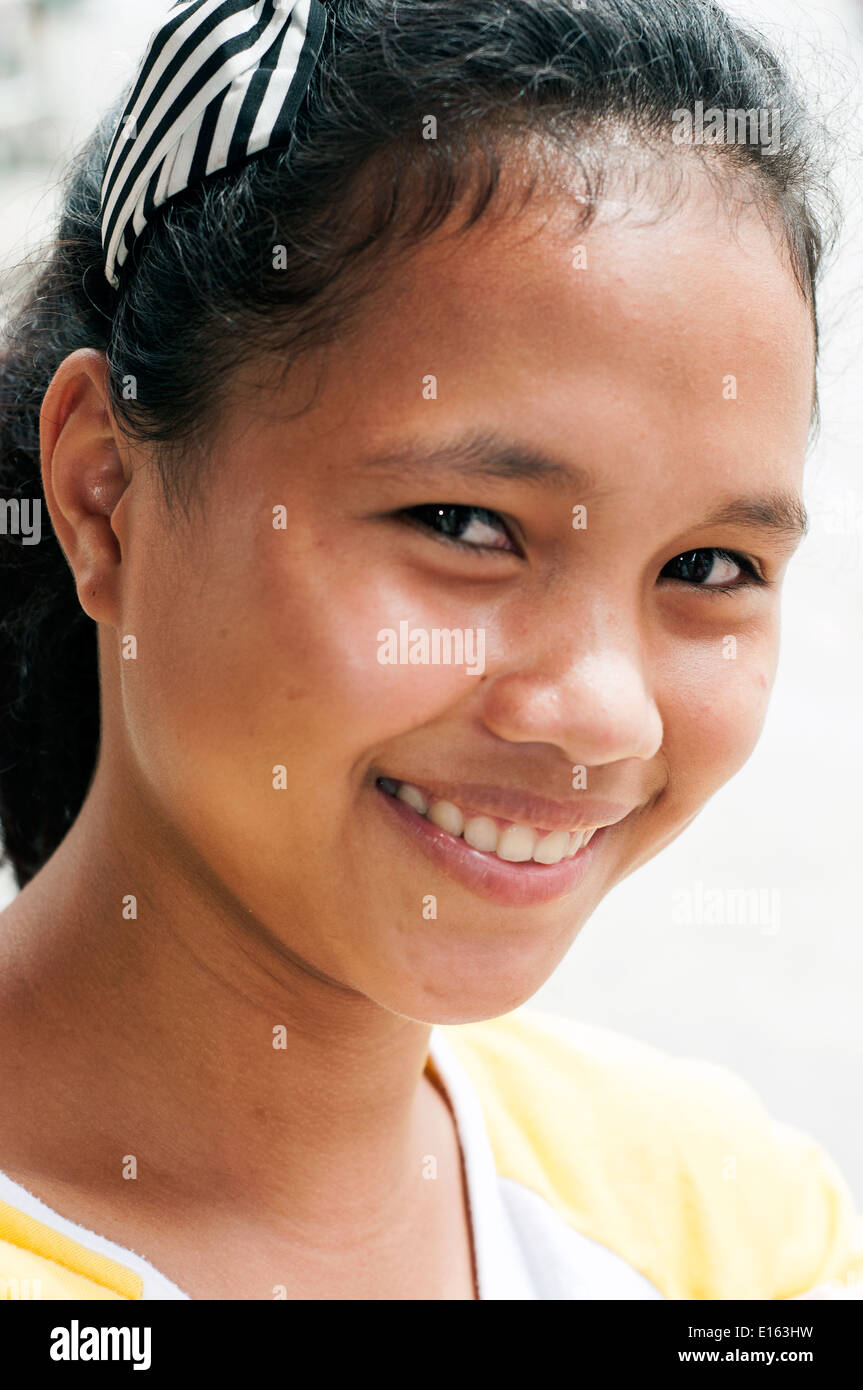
[{"x": 219, "y": 82}]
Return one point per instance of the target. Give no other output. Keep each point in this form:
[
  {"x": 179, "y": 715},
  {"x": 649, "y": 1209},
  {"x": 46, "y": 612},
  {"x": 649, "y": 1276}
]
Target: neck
[{"x": 201, "y": 1043}]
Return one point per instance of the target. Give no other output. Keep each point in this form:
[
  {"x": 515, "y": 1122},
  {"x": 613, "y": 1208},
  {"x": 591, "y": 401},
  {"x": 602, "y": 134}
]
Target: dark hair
[{"x": 201, "y": 292}]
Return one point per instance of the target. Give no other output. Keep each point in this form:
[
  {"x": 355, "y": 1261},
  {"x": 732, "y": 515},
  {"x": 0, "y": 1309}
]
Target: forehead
[
  {"x": 661, "y": 336},
  {"x": 660, "y": 285}
]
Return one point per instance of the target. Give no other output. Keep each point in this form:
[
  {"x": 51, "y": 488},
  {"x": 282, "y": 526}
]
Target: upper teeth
[{"x": 515, "y": 843}]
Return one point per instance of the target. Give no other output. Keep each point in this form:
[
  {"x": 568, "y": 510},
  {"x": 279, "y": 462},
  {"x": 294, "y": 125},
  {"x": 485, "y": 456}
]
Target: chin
[{"x": 463, "y": 991}]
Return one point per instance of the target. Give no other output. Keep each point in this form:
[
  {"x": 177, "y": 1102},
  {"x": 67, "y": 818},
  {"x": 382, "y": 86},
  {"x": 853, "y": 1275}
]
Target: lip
[
  {"x": 522, "y": 808},
  {"x": 509, "y": 885}
]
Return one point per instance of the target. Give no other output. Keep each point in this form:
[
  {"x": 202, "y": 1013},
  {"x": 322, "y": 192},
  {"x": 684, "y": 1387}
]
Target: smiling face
[{"x": 621, "y": 661}]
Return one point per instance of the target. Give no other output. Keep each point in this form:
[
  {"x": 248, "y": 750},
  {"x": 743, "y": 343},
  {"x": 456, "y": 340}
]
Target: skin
[{"x": 256, "y": 647}]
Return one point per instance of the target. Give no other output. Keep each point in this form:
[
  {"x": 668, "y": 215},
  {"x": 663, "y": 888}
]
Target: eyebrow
[
  {"x": 782, "y": 512},
  {"x": 486, "y": 455}
]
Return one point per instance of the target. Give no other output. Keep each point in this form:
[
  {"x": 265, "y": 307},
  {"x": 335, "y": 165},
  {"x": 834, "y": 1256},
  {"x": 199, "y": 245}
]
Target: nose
[{"x": 588, "y": 694}]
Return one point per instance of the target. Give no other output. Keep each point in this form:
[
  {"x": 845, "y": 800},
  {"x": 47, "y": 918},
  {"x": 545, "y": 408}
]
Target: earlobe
[{"x": 84, "y": 477}]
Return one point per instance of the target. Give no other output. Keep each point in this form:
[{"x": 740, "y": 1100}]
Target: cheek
[
  {"x": 268, "y": 652},
  {"x": 714, "y": 711},
  {"x": 347, "y": 625}
]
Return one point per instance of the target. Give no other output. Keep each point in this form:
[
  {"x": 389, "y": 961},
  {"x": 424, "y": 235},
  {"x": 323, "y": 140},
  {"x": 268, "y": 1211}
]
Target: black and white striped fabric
[{"x": 219, "y": 81}]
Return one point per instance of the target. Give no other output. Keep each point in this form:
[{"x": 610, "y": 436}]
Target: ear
[{"x": 85, "y": 475}]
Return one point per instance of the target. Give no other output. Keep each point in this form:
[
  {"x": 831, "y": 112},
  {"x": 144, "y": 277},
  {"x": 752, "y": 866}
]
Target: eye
[
  {"x": 713, "y": 568},
  {"x": 476, "y": 528}
]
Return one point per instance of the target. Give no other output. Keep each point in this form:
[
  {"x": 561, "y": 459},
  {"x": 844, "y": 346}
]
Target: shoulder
[{"x": 673, "y": 1163}]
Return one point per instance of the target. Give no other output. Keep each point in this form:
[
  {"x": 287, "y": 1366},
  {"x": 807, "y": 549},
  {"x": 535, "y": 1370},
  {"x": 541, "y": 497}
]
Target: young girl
[{"x": 421, "y": 393}]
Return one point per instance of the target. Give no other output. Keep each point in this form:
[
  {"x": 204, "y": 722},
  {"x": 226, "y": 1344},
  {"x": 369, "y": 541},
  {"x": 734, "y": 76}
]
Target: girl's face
[{"x": 578, "y": 455}]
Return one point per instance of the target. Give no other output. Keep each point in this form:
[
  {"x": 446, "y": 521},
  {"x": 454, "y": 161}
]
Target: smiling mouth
[{"x": 512, "y": 842}]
